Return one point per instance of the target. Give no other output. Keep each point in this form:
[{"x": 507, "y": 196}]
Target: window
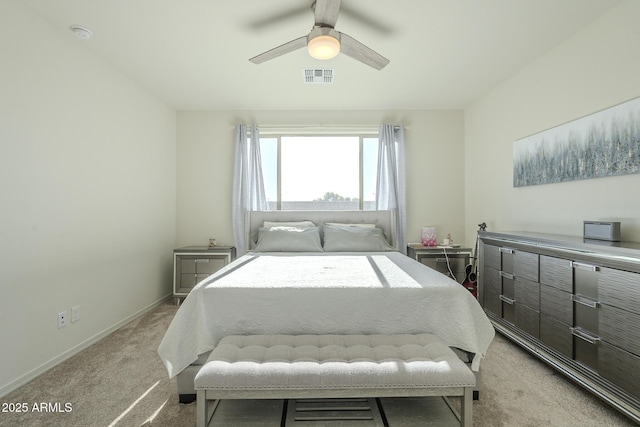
[{"x": 320, "y": 172}]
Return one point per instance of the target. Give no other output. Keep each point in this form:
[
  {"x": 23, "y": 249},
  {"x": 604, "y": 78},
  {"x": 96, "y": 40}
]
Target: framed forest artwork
[{"x": 606, "y": 143}]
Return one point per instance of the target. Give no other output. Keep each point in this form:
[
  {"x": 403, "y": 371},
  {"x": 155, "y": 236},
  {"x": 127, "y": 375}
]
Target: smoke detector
[
  {"x": 81, "y": 32},
  {"x": 318, "y": 75}
]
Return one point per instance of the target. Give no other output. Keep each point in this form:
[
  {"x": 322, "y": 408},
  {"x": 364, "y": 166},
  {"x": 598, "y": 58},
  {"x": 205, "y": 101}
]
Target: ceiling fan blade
[
  {"x": 281, "y": 17},
  {"x": 356, "y": 50},
  {"x": 280, "y": 50},
  {"x": 326, "y": 13},
  {"x": 365, "y": 18}
]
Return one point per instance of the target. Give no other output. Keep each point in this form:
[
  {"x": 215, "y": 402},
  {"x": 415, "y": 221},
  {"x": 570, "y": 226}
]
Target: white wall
[
  {"x": 434, "y": 145},
  {"x": 595, "y": 69},
  {"x": 87, "y": 185}
]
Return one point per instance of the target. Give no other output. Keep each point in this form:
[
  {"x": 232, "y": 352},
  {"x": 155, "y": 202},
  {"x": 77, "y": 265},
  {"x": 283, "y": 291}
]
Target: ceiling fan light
[{"x": 323, "y": 46}]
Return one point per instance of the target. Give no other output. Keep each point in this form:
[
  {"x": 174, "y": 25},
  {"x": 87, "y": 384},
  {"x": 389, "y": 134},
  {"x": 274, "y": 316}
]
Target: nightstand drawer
[
  {"x": 188, "y": 281},
  {"x": 208, "y": 266},
  {"x": 440, "y": 263}
]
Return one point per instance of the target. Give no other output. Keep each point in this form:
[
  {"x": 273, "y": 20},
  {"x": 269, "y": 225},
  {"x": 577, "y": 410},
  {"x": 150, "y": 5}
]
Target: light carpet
[{"x": 120, "y": 381}]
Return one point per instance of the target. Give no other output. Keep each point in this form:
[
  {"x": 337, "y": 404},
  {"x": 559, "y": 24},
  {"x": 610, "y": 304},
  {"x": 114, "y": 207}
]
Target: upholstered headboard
[{"x": 383, "y": 219}]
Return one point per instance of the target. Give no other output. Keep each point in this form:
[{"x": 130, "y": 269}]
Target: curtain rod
[{"x": 269, "y": 128}]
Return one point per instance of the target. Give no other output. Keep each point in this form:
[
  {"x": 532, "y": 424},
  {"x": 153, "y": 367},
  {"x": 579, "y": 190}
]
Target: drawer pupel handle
[
  {"x": 506, "y": 250},
  {"x": 576, "y": 264},
  {"x": 585, "y": 301},
  {"x": 507, "y": 300},
  {"x": 203, "y": 260},
  {"x": 580, "y": 333},
  {"x": 506, "y": 275}
]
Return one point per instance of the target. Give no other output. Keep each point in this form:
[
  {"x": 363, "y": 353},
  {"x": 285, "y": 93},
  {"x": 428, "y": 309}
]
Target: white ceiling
[{"x": 194, "y": 54}]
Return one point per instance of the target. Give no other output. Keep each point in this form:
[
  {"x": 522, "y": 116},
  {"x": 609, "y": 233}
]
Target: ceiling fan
[{"x": 324, "y": 42}]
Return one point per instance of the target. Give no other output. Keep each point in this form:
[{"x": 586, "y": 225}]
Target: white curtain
[
  {"x": 248, "y": 184},
  {"x": 391, "y": 187}
]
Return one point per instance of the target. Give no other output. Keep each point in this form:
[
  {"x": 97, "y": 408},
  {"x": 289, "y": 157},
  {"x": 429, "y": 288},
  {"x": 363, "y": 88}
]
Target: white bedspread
[{"x": 324, "y": 293}]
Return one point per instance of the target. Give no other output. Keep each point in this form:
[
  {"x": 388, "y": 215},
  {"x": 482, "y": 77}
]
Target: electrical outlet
[
  {"x": 75, "y": 313},
  {"x": 62, "y": 319}
]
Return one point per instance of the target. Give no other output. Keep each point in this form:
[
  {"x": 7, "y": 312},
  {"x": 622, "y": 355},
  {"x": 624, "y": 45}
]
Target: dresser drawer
[
  {"x": 526, "y": 265},
  {"x": 491, "y": 256},
  {"x": 508, "y": 308},
  {"x": 556, "y": 272},
  {"x": 585, "y": 348},
  {"x": 620, "y": 328},
  {"x": 492, "y": 280},
  {"x": 620, "y": 367},
  {"x": 619, "y": 289},
  {"x": 493, "y": 303},
  {"x": 527, "y": 319},
  {"x": 527, "y": 293},
  {"x": 506, "y": 259},
  {"x": 556, "y": 335},
  {"x": 556, "y": 303}
]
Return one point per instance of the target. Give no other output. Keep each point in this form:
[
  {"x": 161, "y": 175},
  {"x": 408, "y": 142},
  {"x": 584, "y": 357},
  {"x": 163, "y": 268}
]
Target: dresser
[{"x": 573, "y": 303}]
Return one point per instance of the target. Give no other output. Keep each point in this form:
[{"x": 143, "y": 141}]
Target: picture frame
[{"x": 602, "y": 144}]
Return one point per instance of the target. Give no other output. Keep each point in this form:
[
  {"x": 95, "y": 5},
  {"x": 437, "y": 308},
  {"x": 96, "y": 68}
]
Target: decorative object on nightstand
[
  {"x": 192, "y": 264},
  {"x": 448, "y": 260},
  {"x": 429, "y": 236}
]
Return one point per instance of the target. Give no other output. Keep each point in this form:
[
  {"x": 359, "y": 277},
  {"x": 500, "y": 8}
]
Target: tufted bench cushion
[
  {"x": 257, "y": 362},
  {"x": 294, "y": 366}
]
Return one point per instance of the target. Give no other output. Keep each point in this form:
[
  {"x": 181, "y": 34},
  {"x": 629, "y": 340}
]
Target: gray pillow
[
  {"x": 344, "y": 238},
  {"x": 288, "y": 239}
]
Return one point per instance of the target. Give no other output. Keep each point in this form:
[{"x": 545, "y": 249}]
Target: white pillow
[
  {"x": 301, "y": 224},
  {"x": 350, "y": 225},
  {"x": 354, "y": 239},
  {"x": 289, "y": 239}
]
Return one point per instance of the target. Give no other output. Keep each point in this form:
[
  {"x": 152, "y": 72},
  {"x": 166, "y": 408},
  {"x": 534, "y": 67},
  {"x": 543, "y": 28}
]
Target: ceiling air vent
[{"x": 318, "y": 75}]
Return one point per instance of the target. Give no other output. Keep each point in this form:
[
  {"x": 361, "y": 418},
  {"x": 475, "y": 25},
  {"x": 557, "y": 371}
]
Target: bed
[{"x": 340, "y": 275}]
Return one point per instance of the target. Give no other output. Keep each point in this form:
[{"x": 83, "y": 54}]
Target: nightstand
[
  {"x": 192, "y": 264},
  {"x": 441, "y": 258}
]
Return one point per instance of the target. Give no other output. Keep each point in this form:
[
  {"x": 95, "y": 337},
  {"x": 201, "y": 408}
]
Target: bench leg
[
  {"x": 466, "y": 408},
  {"x": 201, "y": 409},
  {"x": 204, "y": 411}
]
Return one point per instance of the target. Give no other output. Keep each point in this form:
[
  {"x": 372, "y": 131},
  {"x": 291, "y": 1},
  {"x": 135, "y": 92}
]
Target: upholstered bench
[{"x": 325, "y": 366}]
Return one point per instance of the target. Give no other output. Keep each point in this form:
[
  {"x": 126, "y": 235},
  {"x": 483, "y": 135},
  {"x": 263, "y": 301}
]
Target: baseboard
[{"x": 8, "y": 388}]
